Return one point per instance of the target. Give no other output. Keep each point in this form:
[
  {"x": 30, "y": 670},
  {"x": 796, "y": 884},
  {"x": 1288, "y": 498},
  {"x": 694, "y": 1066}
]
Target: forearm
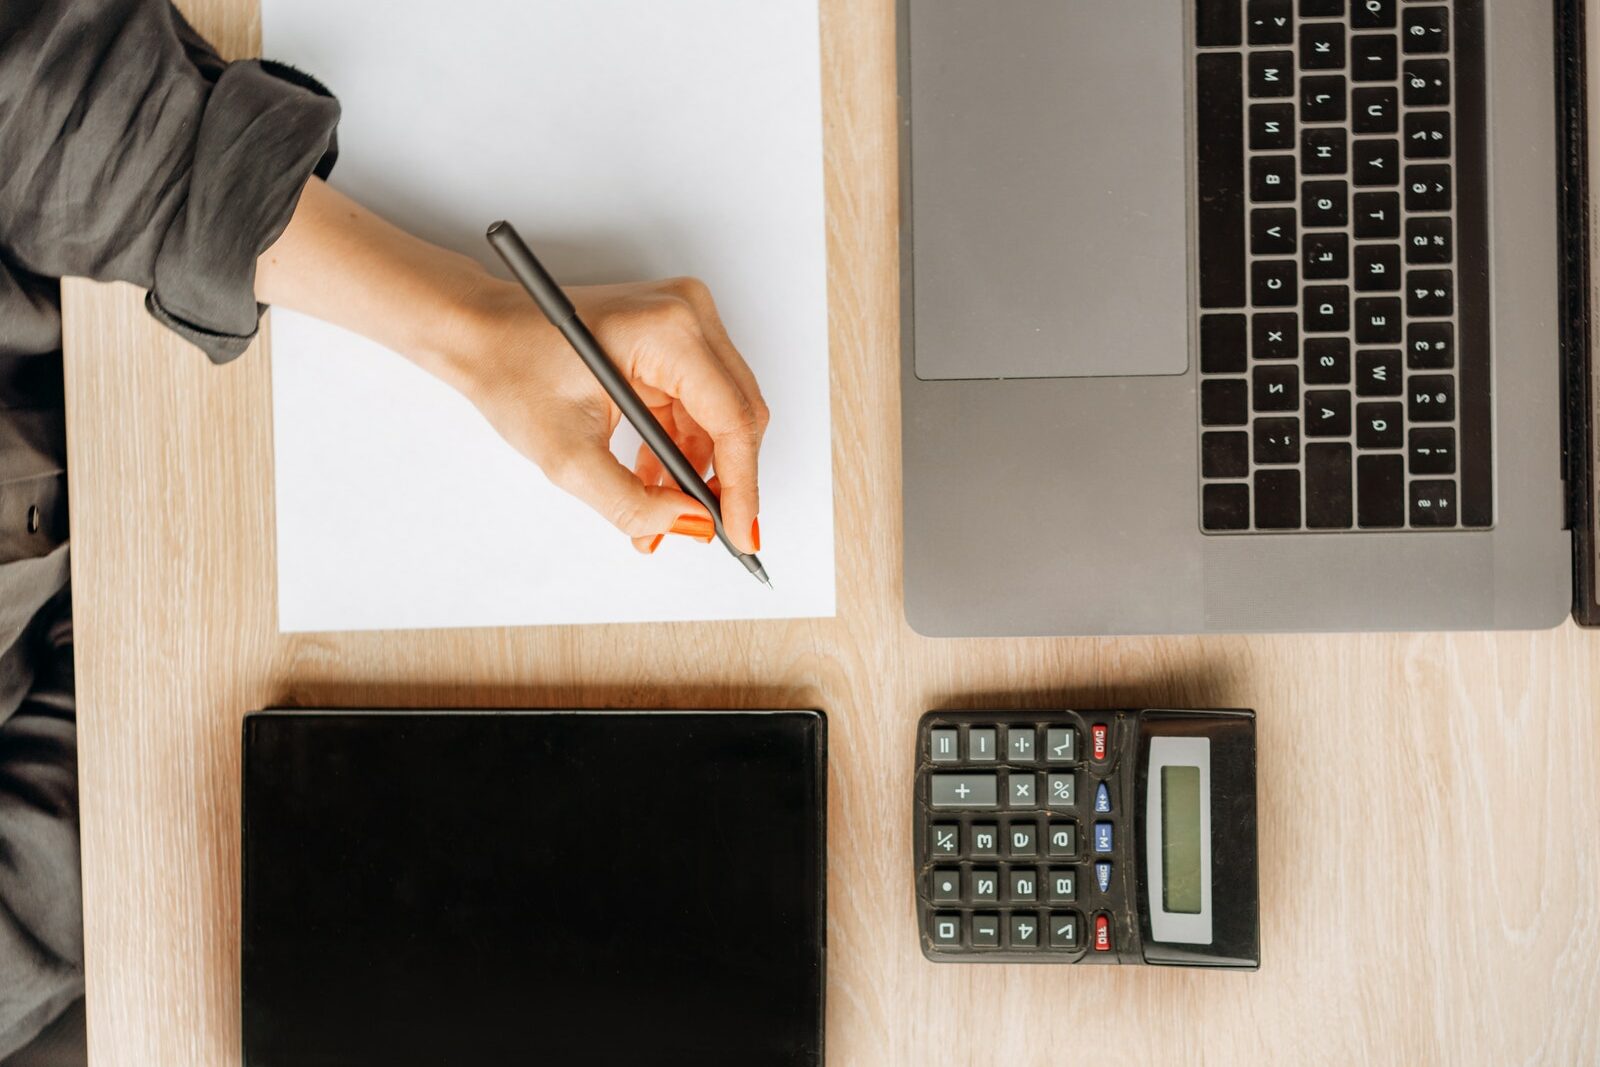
[{"x": 341, "y": 263}]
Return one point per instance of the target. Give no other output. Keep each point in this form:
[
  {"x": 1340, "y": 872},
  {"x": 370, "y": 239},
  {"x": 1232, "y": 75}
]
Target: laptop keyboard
[{"x": 1344, "y": 334}]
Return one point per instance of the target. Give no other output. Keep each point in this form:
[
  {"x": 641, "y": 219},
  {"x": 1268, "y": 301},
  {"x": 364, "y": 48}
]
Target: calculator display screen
[
  {"x": 1178, "y": 845},
  {"x": 1180, "y": 839}
]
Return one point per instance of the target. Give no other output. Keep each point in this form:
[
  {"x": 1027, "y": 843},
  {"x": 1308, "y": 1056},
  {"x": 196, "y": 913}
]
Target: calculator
[{"x": 1124, "y": 836}]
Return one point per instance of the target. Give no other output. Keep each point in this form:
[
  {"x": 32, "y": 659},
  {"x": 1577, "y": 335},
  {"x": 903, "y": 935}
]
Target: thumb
[{"x": 597, "y": 478}]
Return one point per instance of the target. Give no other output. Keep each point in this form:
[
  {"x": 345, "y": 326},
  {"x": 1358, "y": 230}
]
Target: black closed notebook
[{"x": 533, "y": 888}]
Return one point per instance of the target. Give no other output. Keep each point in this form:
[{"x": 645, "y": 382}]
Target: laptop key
[
  {"x": 1275, "y": 335},
  {"x": 1271, "y": 74},
  {"x": 1272, "y": 179},
  {"x": 1375, "y": 110},
  {"x": 1277, "y": 441},
  {"x": 1216, "y": 22},
  {"x": 1273, "y": 283},
  {"x": 1277, "y": 500},
  {"x": 1427, "y": 82},
  {"x": 1328, "y": 496},
  {"x": 1322, "y": 46},
  {"x": 1327, "y": 257},
  {"x": 1224, "y": 402},
  {"x": 1433, "y": 503},
  {"x": 1314, "y": 9},
  {"x": 1327, "y": 361},
  {"x": 1270, "y": 21},
  {"x": 1324, "y": 150},
  {"x": 1378, "y": 425},
  {"x": 1428, "y": 188},
  {"x": 1431, "y": 398},
  {"x": 1378, "y": 268},
  {"x": 1272, "y": 127},
  {"x": 1430, "y": 294},
  {"x": 1426, "y": 30},
  {"x": 1430, "y": 345},
  {"x": 1272, "y": 231},
  {"x": 1380, "y": 491},
  {"x": 1427, "y": 135},
  {"x": 1223, "y": 342},
  {"x": 1378, "y": 320},
  {"x": 1220, "y": 172},
  {"x": 1327, "y": 309},
  {"x": 1276, "y": 387},
  {"x": 1429, "y": 241},
  {"x": 1378, "y": 372},
  {"x": 1372, "y": 14},
  {"x": 1327, "y": 413},
  {"x": 1225, "y": 506},
  {"x": 1432, "y": 450},
  {"x": 1373, "y": 57},
  {"x": 1377, "y": 162},
  {"x": 1322, "y": 98},
  {"x": 1376, "y": 215},
  {"x": 1325, "y": 204}
]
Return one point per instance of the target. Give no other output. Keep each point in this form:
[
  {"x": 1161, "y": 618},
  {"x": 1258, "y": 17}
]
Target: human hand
[
  {"x": 341, "y": 263},
  {"x": 668, "y": 340}
]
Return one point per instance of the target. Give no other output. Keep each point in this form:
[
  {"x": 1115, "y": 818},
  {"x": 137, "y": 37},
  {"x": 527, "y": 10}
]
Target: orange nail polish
[
  {"x": 655, "y": 544},
  {"x": 699, "y": 527},
  {"x": 755, "y": 533}
]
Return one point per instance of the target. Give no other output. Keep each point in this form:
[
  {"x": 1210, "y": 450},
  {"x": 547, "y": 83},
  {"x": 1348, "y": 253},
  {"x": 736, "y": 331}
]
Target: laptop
[
  {"x": 518, "y": 887},
  {"x": 1243, "y": 315}
]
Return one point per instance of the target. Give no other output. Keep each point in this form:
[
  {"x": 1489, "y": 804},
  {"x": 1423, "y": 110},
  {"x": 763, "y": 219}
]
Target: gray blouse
[{"x": 128, "y": 151}]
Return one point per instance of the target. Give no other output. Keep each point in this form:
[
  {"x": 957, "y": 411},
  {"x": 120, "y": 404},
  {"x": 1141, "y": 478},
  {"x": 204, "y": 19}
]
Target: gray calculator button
[
  {"x": 965, "y": 790},
  {"x": 982, "y": 744},
  {"x": 1023, "y": 839},
  {"x": 946, "y": 886},
  {"x": 947, "y": 930},
  {"x": 1062, "y": 886},
  {"x": 1063, "y": 931},
  {"x": 1063, "y": 838},
  {"x": 1023, "y": 789},
  {"x": 1024, "y": 885},
  {"x": 1019, "y": 741},
  {"x": 944, "y": 840},
  {"x": 985, "y": 839},
  {"x": 985, "y": 931},
  {"x": 1024, "y": 930},
  {"x": 985, "y": 886},
  {"x": 1062, "y": 791},
  {"x": 946, "y": 745},
  {"x": 1061, "y": 744}
]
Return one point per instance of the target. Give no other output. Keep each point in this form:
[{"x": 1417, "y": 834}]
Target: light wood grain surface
[{"x": 1430, "y": 805}]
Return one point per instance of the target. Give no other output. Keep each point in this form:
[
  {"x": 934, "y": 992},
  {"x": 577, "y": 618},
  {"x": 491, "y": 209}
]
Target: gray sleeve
[{"x": 134, "y": 153}]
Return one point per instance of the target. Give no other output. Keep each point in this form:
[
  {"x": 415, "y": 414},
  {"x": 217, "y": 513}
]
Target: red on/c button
[
  {"x": 1102, "y": 933},
  {"x": 1097, "y": 742}
]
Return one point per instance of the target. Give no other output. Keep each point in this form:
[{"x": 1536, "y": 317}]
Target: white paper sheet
[{"x": 625, "y": 139}]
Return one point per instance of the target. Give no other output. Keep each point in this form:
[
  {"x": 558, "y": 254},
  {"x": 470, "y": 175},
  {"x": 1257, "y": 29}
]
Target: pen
[{"x": 564, "y": 317}]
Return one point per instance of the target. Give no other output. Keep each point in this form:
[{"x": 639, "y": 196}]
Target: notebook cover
[{"x": 499, "y": 887}]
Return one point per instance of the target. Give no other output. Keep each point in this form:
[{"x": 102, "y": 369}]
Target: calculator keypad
[{"x": 1018, "y": 839}]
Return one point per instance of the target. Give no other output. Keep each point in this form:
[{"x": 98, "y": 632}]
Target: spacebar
[{"x": 1220, "y": 154}]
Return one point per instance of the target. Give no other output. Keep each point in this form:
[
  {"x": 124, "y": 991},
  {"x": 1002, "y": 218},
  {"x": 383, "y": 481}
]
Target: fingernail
[
  {"x": 655, "y": 543},
  {"x": 755, "y": 533},
  {"x": 699, "y": 527}
]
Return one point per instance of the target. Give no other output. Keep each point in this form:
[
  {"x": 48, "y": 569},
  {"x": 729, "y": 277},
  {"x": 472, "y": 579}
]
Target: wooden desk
[{"x": 1430, "y": 813}]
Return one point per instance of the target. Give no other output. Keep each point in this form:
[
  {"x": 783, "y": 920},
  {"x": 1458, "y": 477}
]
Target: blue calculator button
[
  {"x": 1102, "y": 876},
  {"x": 1102, "y": 798},
  {"x": 1102, "y": 837}
]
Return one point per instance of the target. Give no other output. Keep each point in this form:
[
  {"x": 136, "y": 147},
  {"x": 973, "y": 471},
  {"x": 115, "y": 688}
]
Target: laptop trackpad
[{"x": 1049, "y": 188}]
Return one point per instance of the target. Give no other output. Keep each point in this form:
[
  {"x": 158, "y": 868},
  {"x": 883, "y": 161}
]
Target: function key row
[
  {"x": 1021, "y": 744},
  {"x": 1020, "y": 791}
]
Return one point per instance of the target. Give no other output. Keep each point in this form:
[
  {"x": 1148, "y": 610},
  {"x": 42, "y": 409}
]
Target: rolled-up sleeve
[{"x": 134, "y": 154}]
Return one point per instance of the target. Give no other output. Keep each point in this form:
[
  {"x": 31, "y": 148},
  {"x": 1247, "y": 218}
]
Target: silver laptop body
[{"x": 1051, "y": 379}]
